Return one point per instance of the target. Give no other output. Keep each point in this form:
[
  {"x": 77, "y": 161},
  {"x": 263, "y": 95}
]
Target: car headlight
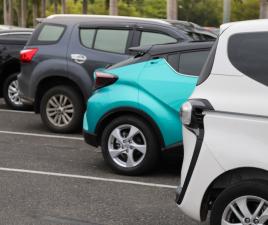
[{"x": 186, "y": 113}]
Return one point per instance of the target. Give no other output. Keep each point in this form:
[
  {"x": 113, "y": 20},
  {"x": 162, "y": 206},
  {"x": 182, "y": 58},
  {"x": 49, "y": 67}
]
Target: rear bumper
[
  {"x": 24, "y": 90},
  {"x": 90, "y": 139}
]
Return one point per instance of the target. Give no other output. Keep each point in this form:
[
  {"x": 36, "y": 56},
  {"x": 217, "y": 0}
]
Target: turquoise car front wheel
[{"x": 129, "y": 146}]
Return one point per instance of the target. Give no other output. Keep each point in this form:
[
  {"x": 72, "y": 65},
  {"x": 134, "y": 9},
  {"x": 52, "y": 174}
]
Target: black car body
[
  {"x": 65, "y": 50},
  {"x": 12, "y": 41}
]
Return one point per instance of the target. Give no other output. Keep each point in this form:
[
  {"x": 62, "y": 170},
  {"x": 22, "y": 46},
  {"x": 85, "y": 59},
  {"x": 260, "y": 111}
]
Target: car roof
[
  {"x": 16, "y": 30},
  {"x": 75, "y": 18},
  {"x": 169, "y": 48}
]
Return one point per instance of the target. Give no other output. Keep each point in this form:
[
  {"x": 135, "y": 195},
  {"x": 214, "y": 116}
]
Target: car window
[
  {"x": 111, "y": 40},
  {"x": 173, "y": 60},
  {"x": 191, "y": 63},
  {"x": 50, "y": 33},
  {"x": 150, "y": 38},
  {"x": 87, "y": 37},
  {"x": 248, "y": 53}
]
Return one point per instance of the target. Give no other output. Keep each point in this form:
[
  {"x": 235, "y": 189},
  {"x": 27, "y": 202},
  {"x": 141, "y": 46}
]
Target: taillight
[
  {"x": 104, "y": 79},
  {"x": 27, "y": 55}
]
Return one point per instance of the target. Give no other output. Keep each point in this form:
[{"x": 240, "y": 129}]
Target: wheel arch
[
  {"x": 226, "y": 179},
  {"x": 8, "y": 69},
  {"x": 50, "y": 82},
  {"x": 129, "y": 111}
]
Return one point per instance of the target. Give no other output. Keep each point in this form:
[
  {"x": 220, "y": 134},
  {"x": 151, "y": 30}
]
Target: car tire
[
  {"x": 62, "y": 109},
  {"x": 141, "y": 149},
  {"x": 248, "y": 195},
  {"x": 11, "y": 93}
]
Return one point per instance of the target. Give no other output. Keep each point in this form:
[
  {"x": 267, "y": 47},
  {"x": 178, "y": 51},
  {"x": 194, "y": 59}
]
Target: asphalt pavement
[{"x": 48, "y": 178}]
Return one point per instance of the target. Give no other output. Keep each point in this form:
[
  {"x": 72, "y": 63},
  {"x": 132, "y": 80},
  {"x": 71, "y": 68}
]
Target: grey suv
[{"x": 59, "y": 60}]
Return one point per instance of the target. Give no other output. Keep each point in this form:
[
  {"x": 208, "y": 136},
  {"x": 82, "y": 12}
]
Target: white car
[{"x": 225, "y": 131}]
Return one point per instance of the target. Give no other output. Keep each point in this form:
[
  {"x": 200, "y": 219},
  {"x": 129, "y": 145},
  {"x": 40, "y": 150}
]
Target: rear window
[
  {"x": 50, "y": 33},
  {"x": 191, "y": 63},
  {"x": 248, "y": 53}
]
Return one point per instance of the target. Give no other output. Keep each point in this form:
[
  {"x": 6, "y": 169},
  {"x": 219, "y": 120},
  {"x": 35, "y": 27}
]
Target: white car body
[{"x": 234, "y": 145}]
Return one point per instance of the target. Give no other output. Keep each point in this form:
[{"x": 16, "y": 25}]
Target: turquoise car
[{"x": 133, "y": 112}]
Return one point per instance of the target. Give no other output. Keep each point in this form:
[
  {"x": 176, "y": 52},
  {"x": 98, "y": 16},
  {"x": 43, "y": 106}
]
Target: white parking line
[
  {"x": 87, "y": 177},
  {"x": 16, "y": 111},
  {"x": 41, "y": 135}
]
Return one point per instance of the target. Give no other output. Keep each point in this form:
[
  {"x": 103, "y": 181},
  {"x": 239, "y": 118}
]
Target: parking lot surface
[{"x": 56, "y": 179}]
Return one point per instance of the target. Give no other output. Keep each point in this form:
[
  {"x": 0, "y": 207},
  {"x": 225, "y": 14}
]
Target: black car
[
  {"x": 12, "y": 42},
  {"x": 63, "y": 52}
]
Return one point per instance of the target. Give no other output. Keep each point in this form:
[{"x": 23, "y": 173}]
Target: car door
[{"x": 98, "y": 45}]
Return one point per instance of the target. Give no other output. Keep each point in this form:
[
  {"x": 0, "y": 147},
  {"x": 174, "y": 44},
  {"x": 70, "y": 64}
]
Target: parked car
[
  {"x": 132, "y": 114},
  {"x": 63, "y": 52},
  {"x": 225, "y": 166},
  {"x": 11, "y": 43}
]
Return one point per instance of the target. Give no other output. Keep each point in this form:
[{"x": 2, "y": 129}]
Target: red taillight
[
  {"x": 104, "y": 79},
  {"x": 27, "y": 55}
]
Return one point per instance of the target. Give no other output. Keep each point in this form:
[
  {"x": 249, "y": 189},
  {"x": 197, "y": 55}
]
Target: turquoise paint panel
[
  {"x": 162, "y": 92},
  {"x": 123, "y": 93},
  {"x": 153, "y": 87}
]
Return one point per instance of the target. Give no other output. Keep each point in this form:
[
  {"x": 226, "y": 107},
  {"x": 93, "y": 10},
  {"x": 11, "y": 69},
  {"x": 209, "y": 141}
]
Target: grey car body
[{"x": 70, "y": 61}]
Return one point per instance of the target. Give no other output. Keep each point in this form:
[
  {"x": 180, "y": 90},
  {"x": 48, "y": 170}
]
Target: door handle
[{"x": 79, "y": 58}]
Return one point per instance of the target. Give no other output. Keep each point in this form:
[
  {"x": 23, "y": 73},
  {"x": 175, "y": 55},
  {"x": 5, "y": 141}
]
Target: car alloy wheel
[
  {"x": 246, "y": 210},
  {"x": 60, "y": 110},
  {"x": 13, "y": 93},
  {"x": 127, "y": 145}
]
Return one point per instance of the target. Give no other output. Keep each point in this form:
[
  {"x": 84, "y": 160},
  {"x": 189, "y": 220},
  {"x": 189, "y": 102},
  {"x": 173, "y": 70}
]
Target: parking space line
[
  {"x": 41, "y": 135},
  {"x": 16, "y": 111},
  {"x": 87, "y": 177}
]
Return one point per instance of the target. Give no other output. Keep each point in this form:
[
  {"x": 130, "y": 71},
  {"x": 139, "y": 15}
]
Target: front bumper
[{"x": 90, "y": 139}]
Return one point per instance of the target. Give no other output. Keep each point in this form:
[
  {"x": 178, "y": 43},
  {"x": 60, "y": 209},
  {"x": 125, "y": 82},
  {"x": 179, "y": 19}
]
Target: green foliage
[
  {"x": 203, "y": 12},
  {"x": 245, "y": 10}
]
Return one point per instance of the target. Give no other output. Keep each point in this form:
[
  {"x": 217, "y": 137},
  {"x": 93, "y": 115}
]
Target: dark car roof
[
  {"x": 169, "y": 48},
  {"x": 15, "y": 36},
  {"x": 15, "y": 31}
]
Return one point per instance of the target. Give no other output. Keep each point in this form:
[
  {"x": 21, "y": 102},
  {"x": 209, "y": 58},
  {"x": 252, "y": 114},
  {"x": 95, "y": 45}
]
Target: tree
[
  {"x": 84, "y": 11},
  {"x": 35, "y": 11},
  {"x": 113, "y": 10},
  {"x": 63, "y": 6},
  {"x": 263, "y": 9},
  {"x": 23, "y": 13},
  {"x": 10, "y": 12},
  {"x": 43, "y": 8},
  {"x": 172, "y": 9},
  {"x": 5, "y": 12}
]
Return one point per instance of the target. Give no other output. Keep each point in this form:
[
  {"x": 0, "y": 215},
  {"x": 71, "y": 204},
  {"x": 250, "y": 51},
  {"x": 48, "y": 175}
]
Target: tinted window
[
  {"x": 173, "y": 60},
  {"x": 50, "y": 33},
  {"x": 149, "y": 38},
  {"x": 111, "y": 40},
  {"x": 191, "y": 63},
  {"x": 248, "y": 52},
  {"x": 87, "y": 37}
]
